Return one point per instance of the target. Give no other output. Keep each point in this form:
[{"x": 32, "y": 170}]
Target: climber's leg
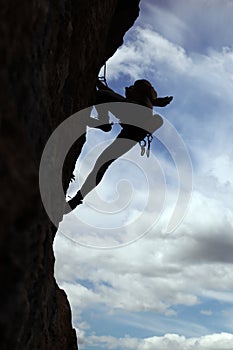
[{"x": 123, "y": 143}]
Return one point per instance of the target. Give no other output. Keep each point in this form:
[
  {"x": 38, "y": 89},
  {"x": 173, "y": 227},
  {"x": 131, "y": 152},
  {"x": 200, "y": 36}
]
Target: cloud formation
[
  {"x": 221, "y": 341},
  {"x": 195, "y": 26}
]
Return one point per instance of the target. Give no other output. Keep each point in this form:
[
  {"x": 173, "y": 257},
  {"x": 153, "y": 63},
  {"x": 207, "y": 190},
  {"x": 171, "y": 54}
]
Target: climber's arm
[
  {"x": 162, "y": 101},
  {"x": 102, "y": 86}
]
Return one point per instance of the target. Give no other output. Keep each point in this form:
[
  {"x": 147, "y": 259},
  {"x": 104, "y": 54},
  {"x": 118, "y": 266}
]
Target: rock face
[{"x": 53, "y": 51}]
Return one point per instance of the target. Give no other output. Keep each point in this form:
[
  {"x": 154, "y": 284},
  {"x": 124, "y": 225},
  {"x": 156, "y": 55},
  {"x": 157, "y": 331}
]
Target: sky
[{"x": 131, "y": 283}]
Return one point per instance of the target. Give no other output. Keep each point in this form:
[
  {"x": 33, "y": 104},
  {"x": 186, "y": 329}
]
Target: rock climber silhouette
[{"x": 141, "y": 93}]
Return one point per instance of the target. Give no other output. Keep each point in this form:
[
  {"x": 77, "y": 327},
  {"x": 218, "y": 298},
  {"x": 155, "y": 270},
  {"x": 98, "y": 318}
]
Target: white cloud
[
  {"x": 155, "y": 273},
  {"x": 221, "y": 341},
  {"x": 208, "y": 77},
  {"x": 79, "y": 296},
  {"x": 156, "y": 50}
]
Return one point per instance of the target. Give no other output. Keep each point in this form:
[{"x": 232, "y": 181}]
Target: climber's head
[
  {"x": 142, "y": 88},
  {"x": 142, "y": 82}
]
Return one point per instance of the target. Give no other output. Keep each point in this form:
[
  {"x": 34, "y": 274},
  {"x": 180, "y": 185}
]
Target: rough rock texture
[{"x": 53, "y": 51}]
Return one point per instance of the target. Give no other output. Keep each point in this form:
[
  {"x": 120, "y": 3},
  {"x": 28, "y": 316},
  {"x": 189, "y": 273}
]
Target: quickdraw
[
  {"x": 147, "y": 141},
  {"x": 103, "y": 78}
]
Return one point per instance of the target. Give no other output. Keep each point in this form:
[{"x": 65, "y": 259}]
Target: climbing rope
[
  {"x": 103, "y": 77},
  {"x": 147, "y": 141}
]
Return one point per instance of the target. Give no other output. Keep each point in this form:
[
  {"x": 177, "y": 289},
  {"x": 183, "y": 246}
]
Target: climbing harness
[
  {"x": 147, "y": 141},
  {"x": 103, "y": 77}
]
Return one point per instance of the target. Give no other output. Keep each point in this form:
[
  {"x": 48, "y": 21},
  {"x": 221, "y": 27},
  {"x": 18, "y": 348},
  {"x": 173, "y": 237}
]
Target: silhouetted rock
[{"x": 53, "y": 51}]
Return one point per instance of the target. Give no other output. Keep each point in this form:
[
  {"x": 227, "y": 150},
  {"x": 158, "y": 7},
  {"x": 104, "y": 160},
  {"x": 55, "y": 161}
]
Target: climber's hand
[
  {"x": 168, "y": 99},
  {"x": 162, "y": 101}
]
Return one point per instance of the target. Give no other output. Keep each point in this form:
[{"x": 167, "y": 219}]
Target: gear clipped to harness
[{"x": 146, "y": 143}]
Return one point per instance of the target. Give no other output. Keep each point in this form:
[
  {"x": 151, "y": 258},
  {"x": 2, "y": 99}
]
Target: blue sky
[{"x": 166, "y": 290}]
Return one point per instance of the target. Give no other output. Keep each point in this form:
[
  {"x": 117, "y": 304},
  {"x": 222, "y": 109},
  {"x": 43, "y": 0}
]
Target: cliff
[{"x": 53, "y": 51}]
